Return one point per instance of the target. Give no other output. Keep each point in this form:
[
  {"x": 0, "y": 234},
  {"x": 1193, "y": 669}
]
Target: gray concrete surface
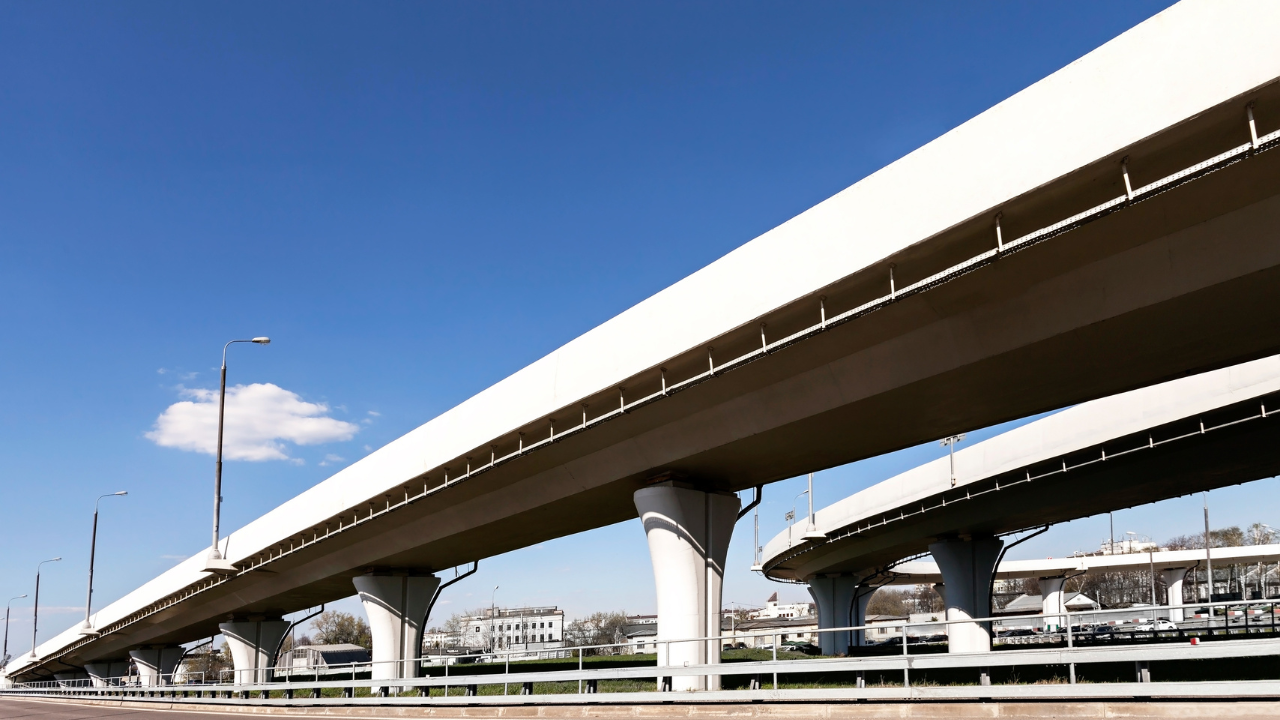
[{"x": 1183, "y": 710}]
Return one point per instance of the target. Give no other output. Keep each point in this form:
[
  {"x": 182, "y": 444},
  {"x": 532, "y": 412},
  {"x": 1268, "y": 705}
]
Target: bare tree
[
  {"x": 337, "y": 628},
  {"x": 599, "y": 628}
]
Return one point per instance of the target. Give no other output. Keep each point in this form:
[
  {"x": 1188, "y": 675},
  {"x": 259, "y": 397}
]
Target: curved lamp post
[
  {"x": 216, "y": 563},
  {"x": 812, "y": 532},
  {"x": 791, "y": 516},
  {"x": 86, "y": 628},
  {"x": 35, "y": 607},
  {"x": 493, "y": 617},
  {"x": 4, "y": 655}
]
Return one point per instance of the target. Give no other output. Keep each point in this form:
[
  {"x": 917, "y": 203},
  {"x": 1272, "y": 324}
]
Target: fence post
[
  {"x": 906, "y": 672},
  {"x": 1071, "y": 667},
  {"x": 775, "y": 660}
]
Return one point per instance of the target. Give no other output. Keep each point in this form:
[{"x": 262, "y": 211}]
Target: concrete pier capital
[
  {"x": 688, "y": 531},
  {"x": 1173, "y": 578},
  {"x": 156, "y": 664},
  {"x": 397, "y": 606},
  {"x": 253, "y": 645}
]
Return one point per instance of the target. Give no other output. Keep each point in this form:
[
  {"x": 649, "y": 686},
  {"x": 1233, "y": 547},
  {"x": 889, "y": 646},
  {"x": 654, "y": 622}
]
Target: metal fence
[{"x": 1237, "y": 629}]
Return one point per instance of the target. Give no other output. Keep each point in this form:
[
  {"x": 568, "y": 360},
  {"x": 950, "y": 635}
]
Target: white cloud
[
  {"x": 375, "y": 413},
  {"x": 260, "y": 418},
  {"x": 331, "y": 459}
]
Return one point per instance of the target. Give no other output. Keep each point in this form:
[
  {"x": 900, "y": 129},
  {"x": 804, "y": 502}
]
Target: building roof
[
  {"x": 339, "y": 653},
  {"x": 1035, "y": 603},
  {"x": 776, "y": 622}
]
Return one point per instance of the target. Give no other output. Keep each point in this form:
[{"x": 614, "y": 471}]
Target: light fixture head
[
  {"x": 261, "y": 340},
  {"x": 54, "y": 559},
  {"x": 122, "y": 492}
]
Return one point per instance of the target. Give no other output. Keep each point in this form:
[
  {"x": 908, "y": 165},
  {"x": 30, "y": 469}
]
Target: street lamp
[
  {"x": 756, "y": 566},
  {"x": 86, "y": 628},
  {"x": 791, "y": 516},
  {"x": 1262, "y": 583},
  {"x": 1151, "y": 560},
  {"x": 812, "y": 532},
  {"x": 493, "y": 617},
  {"x": 35, "y": 607},
  {"x": 950, "y": 444},
  {"x": 216, "y": 563},
  {"x": 4, "y": 655},
  {"x": 1208, "y": 549}
]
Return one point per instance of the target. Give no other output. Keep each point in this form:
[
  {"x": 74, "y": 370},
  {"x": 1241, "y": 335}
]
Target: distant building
[
  {"x": 326, "y": 659},
  {"x": 527, "y": 628},
  {"x": 1129, "y": 546},
  {"x": 764, "y": 632},
  {"x": 772, "y": 609}
]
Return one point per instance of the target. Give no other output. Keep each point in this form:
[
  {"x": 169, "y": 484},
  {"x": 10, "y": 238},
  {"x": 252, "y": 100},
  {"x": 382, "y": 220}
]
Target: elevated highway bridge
[
  {"x": 1196, "y": 433},
  {"x": 1112, "y": 226}
]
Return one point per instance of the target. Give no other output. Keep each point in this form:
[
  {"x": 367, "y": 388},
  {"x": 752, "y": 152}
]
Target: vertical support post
[
  {"x": 1253, "y": 128},
  {"x": 1128, "y": 187},
  {"x": 775, "y": 659}
]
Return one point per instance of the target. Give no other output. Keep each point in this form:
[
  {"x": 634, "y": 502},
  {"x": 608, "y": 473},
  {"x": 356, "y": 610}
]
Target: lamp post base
[{"x": 219, "y": 566}]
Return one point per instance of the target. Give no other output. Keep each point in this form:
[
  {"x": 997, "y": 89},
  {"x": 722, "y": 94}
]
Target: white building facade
[{"x": 517, "y": 629}]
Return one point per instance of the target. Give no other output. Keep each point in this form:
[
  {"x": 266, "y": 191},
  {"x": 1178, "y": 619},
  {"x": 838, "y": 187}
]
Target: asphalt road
[{"x": 12, "y": 709}]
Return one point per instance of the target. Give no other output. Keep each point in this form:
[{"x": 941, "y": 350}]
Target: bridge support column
[
  {"x": 861, "y": 599},
  {"x": 1173, "y": 578},
  {"x": 102, "y": 672},
  {"x": 397, "y": 610},
  {"x": 834, "y": 598},
  {"x": 941, "y": 590},
  {"x": 155, "y": 663},
  {"x": 967, "y": 566},
  {"x": 688, "y": 532},
  {"x": 253, "y": 645},
  {"x": 1052, "y": 600}
]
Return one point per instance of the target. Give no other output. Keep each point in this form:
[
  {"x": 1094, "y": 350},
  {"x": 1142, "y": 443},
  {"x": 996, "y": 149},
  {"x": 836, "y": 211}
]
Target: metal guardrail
[{"x": 1232, "y": 631}]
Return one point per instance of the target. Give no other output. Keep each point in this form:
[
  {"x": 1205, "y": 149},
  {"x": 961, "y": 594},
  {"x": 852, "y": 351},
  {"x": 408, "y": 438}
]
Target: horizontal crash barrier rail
[{"x": 913, "y": 662}]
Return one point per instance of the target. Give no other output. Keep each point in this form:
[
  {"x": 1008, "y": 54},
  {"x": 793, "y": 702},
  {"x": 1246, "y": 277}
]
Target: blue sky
[{"x": 415, "y": 200}]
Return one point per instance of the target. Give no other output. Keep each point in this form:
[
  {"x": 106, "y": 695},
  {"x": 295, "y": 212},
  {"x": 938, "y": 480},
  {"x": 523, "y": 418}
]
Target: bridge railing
[{"x": 1237, "y": 629}]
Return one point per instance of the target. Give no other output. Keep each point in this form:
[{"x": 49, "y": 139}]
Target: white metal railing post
[
  {"x": 906, "y": 672},
  {"x": 775, "y": 660},
  {"x": 1071, "y": 667}
]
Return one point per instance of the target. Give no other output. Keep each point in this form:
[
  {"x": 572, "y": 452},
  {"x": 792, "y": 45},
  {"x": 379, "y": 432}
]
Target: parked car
[
  {"x": 1017, "y": 632},
  {"x": 1104, "y": 632},
  {"x": 1156, "y": 626}
]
